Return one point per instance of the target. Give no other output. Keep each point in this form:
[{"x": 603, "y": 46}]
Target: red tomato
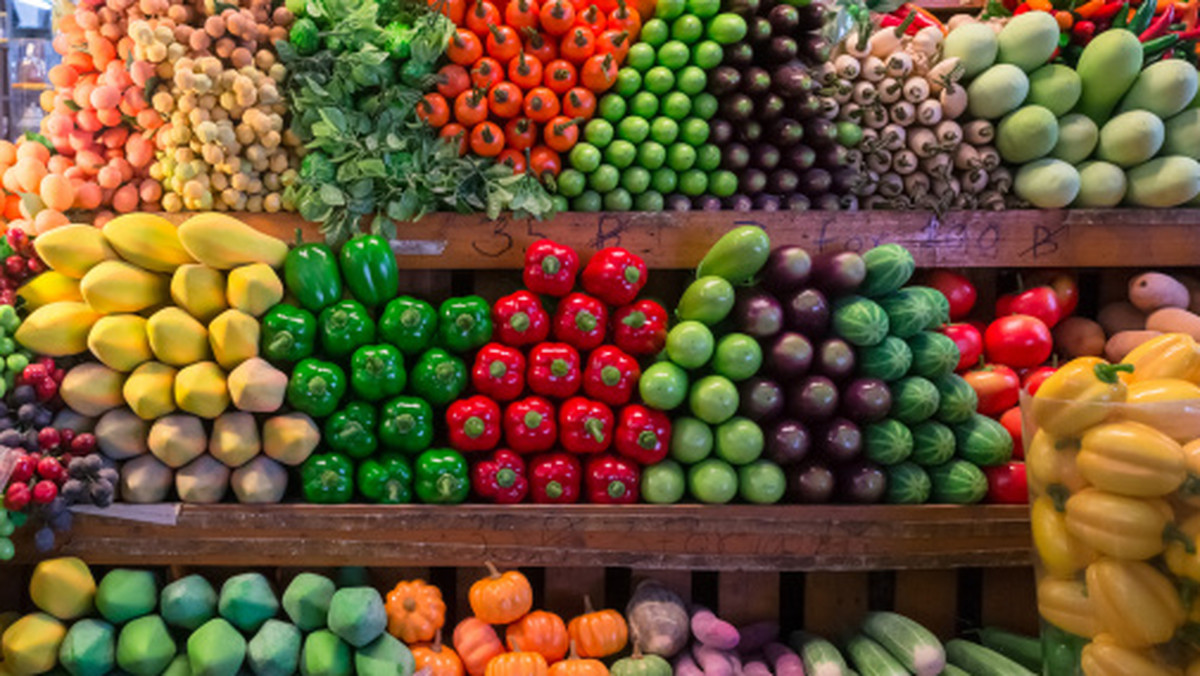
[
  {"x": 1019, "y": 341},
  {"x": 1006, "y": 484},
  {"x": 956, "y": 288},
  {"x": 1033, "y": 380},
  {"x": 1012, "y": 422},
  {"x": 1065, "y": 287},
  {"x": 969, "y": 342},
  {"x": 1004, "y": 304},
  {"x": 1040, "y": 302},
  {"x": 997, "y": 387}
]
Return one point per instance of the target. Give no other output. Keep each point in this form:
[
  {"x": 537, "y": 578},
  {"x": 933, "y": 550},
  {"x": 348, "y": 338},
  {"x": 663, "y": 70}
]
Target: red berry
[
  {"x": 44, "y": 492},
  {"x": 83, "y": 444},
  {"x": 46, "y": 389},
  {"x": 48, "y": 362},
  {"x": 24, "y": 468},
  {"x": 50, "y": 468},
  {"x": 48, "y": 439},
  {"x": 16, "y": 267},
  {"x": 7, "y": 284},
  {"x": 16, "y": 497},
  {"x": 8, "y": 297},
  {"x": 35, "y": 266},
  {"x": 67, "y": 436},
  {"x": 34, "y": 373},
  {"x": 17, "y": 238},
  {"x": 58, "y": 375}
]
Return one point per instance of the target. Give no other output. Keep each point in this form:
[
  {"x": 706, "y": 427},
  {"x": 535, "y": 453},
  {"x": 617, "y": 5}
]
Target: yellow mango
[
  {"x": 253, "y": 289},
  {"x": 120, "y": 342},
  {"x": 49, "y": 287},
  {"x": 63, "y": 587},
  {"x": 31, "y": 644},
  {"x": 148, "y": 240},
  {"x": 58, "y": 329},
  {"x": 234, "y": 439},
  {"x": 234, "y": 338},
  {"x": 256, "y": 386},
  {"x": 176, "y": 338},
  {"x": 73, "y": 249},
  {"x": 223, "y": 242},
  {"x": 177, "y": 439},
  {"x": 91, "y": 389},
  {"x": 200, "y": 389},
  {"x": 150, "y": 390},
  {"x": 117, "y": 286},
  {"x": 200, "y": 290}
]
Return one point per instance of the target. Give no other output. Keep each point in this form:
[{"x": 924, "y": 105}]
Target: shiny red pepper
[
  {"x": 500, "y": 478},
  {"x": 641, "y": 328},
  {"x": 554, "y": 370},
  {"x": 530, "y": 425},
  {"x": 643, "y": 435},
  {"x": 585, "y": 426},
  {"x": 555, "y": 478},
  {"x": 581, "y": 321},
  {"x": 612, "y": 480},
  {"x": 474, "y": 424},
  {"x": 520, "y": 319},
  {"x": 550, "y": 268},
  {"x": 499, "y": 372},
  {"x": 610, "y": 376},
  {"x": 1083, "y": 32},
  {"x": 1159, "y": 26},
  {"x": 615, "y": 276}
]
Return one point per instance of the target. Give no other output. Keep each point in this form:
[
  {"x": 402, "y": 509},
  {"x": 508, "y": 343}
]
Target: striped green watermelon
[
  {"x": 959, "y": 399},
  {"x": 888, "y": 442},
  {"x": 933, "y": 443},
  {"x": 860, "y": 321},
  {"x": 941, "y": 306},
  {"x": 914, "y": 400},
  {"x": 958, "y": 482},
  {"x": 983, "y": 441},
  {"x": 934, "y": 355},
  {"x": 889, "y": 267},
  {"x": 887, "y": 361},
  {"x": 907, "y": 484},
  {"x": 909, "y": 311}
]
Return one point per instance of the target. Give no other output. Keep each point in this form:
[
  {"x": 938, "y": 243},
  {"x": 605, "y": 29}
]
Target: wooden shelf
[{"x": 775, "y": 538}]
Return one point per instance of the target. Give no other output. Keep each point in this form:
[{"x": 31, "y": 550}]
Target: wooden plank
[
  {"x": 834, "y": 603},
  {"x": 929, "y": 597},
  {"x": 1009, "y": 599},
  {"x": 743, "y": 598},
  {"x": 566, "y": 587}
]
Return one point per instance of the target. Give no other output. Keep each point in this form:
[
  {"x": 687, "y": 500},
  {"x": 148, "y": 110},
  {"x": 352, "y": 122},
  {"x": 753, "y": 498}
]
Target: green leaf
[
  {"x": 331, "y": 195},
  {"x": 372, "y": 168}
]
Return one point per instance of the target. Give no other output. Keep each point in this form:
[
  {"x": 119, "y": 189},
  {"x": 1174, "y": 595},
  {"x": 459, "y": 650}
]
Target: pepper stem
[
  {"x": 616, "y": 489},
  {"x": 497, "y": 369},
  {"x": 299, "y": 236},
  {"x": 445, "y": 371},
  {"x": 554, "y": 490},
  {"x": 1108, "y": 373},
  {"x": 349, "y": 431},
  {"x": 1173, "y": 533},
  {"x": 585, "y": 321},
  {"x": 405, "y": 423},
  {"x": 375, "y": 365},
  {"x": 474, "y": 427},
  {"x": 559, "y": 367},
  {"x": 392, "y": 491},
  {"x": 632, "y": 274},
  {"x": 446, "y": 485},
  {"x": 317, "y": 386},
  {"x": 410, "y": 317},
  {"x": 551, "y": 265},
  {"x": 635, "y": 320},
  {"x": 519, "y": 322},
  {"x": 464, "y": 322},
  {"x": 648, "y": 440},
  {"x": 338, "y": 319},
  {"x": 533, "y": 420},
  {"x": 595, "y": 428},
  {"x": 505, "y": 478},
  {"x": 610, "y": 375},
  {"x": 281, "y": 342}
]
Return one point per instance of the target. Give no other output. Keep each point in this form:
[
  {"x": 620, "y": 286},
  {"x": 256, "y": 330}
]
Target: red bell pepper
[
  {"x": 1032, "y": 379},
  {"x": 555, "y": 478},
  {"x": 581, "y": 321},
  {"x": 554, "y": 370},
  {"x": 474, "y": 424},
  {"x": 585, "y": 426},
  {"x": 550, "y": 268},
  {"x": 641, "y": 328},
  {"x": 499, "y": 372},
  {"x": 1083, "y": 32},
  {"x": 612, "y": 480},
  {"x": 615, "y": 276},
  {"x": 1007, "y": 484},
  {"x": 611, "y": 376},
  {"x": 520, "y": 319},
  {"x": 530, "y": 425},
  {"x": 501, "y": 478},
  {"x": 643, "y": 434}
]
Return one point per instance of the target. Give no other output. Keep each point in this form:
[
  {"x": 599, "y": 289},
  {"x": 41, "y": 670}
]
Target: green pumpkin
[{"x": 641, "y": 665}]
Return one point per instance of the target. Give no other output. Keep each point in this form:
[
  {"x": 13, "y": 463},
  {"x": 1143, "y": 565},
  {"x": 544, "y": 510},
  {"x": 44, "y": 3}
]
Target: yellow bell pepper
[
  {"x": 1051, "y": 462},
  {"x": 1135, "y": 603},
  {"x": 1171, "y": 355},
  {"x": 1131, "y": 458},
  {"x": 1078, "y": 396},
  {"x": 1120, "y": 526},
  {"x": 1061, "y": 553},
  {"x": 1179, "y": 560},
  {"x": 1066, "y": 605},
  {"x": 1170, "y": 405},
  {"x": 1189, "y": 492},
  {"x": 1104, "y": 656}
]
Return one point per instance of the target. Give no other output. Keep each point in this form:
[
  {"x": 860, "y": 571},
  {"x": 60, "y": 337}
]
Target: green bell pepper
[
  {"x": 377, "y": 372},
  {"x": 442, "y": 477},
  {"x": 464, "y": 323},
  {"x": 352, "y": 430},
  {"x": 327, "y": 478},
  {"x": 409, "y": 324},
  {"x": 386, "y": 480},
  {"x": 345, "y": 327},
  {"x": 288, "y": 333},
  {"x": 316, "y": 387},
  {"x": 311, "y": 274},
  {"x": 406, "y": 424},
  {"x": 369, "y": 267},
  {"x": 438, "y": 377}
]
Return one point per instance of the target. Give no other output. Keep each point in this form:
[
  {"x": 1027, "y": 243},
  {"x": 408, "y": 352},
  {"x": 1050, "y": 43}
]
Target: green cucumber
[
  {"x": 872, "y": 659},
  {"x": 952, "y": 670},
  {"x": 820, "y": 657},
  {"x": 914, "y": 646},
  {"x": 1024, "y": 650},
  {"x": 980, "y": 661}
]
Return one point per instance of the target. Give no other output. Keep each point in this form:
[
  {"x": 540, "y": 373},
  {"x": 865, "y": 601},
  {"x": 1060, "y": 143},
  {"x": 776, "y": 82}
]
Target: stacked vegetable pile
[{"x": 1155, "y": 303}]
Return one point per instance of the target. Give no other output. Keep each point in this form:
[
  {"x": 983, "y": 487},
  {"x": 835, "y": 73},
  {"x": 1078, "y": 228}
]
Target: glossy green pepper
[
  {"x": 408, "y": 323},
  {"x": 406, "y": 424},
  {"x": 345, "y": 327},
  {"x": 441, "y": 477},
  {"x": 464, "y": 323},
  {"x": 316, "y": 387},
  {"x": 370, "y": 270},
  {"x": 288, "y": 333},
  {"x": 311, "y": 273},
  {"x": 438, "y": 377},
  {"x": 386, "y": 480},
  {"x": 327, "y": 478},
  {"x": 377, "y": 372},
  {"x": 352, "y": 430}
]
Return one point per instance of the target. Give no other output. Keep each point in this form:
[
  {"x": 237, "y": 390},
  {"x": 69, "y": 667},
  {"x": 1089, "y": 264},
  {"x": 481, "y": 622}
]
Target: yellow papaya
[
  {"x": 49, "y": 287},
  {"x": 234, "y": 338},
  {"x": 73, "y": 249},
  {"x": 150, "y": 390},
  {"x": 256, "y": 386},
  {"x": 31, "y": 644},
  {"x": 117, "y": 286},
  {"x": 200, "y": 290},
  {"x": 176, "y": 338},
  {"x": 200, "y": 389},
  {"x": 63, "y": 587},
  {"x": 148, "y": 240},
  {"x": 58, "y": 329},
  {"x": 90, "y": 388},
  {"x": 253, "y": 289},
  {"x": 120, "y": 342},
  {"x": 223, "y": 242},
  {"x": 234, "y": 439}
]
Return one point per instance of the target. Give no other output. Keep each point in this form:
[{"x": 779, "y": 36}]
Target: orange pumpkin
[
  {"x": 518, "y": 664},
  {"x": 598, "y": 633},
  {"x": 415, "y": 611},
  {"x": 501, "y": 599},
  {"x": 437, "y": 658},
  {"x": 577, "y": 666},
  {"x": 476, "y": 643},
  {"x": 540, "y": 632}
]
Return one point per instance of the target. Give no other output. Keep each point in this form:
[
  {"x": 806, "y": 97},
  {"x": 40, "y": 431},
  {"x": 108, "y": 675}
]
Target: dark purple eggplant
[
  {"x": 840, "y": 441},
  {"x": 815, "y": 182},
  {"x": 740, "y": 54},
  {"x": 846, "y": 180},
  {"x": 759, "y": 29},
  {"x": 814, "y": 48},
  {"x": 737, "y": 107},
  {"x": 862, "y": 482},
  {"x": 804, "y": 107},
  {"x": 783, "y": 181},
  {"x": 749, "y": 131},
  {"x": 678, "y": 202},
  {"x": 761, "y": 399},
  {"x": 789, "y": 356},
  {"x": 755, "y": 81},
  {"x": 757, "y": 312},
  {"x": 798, "y": 202},
  {"x": 752, "y": 181},
  {"x": 791, "y": 79},
  {"x": 766, "y": 202},
  {"x": 706, "y": 203},
  {"x": 835, "y": 156},
  {"x": 810, "y": 483},
  {"x": 744, "y": 7},
  {"x": 839, "y": 274},
  {"x": 784, "y": 19},
  {"x": 782, "y": 48},
  {"x": 827, "y": 202},
  {"x": 724, "y": 80},
  {"x": 820, "y": 132},
  {"x": 808, "y": 312},
  {"x": 866, "y": 400},
  {"x": 835, "y": 358},
  {"x": 735, "y": 157},
  {"x": 800, "y": 157},
  {"x": 769, "y": 107},
  {"x": 765, "y": 156},
  {"x": 813, "y": 399},
  {"x": 788, "y": 442},
  {"x": 720, "y": 132},
  {"x": 811, "y": 15},
  {"x": 787, "y": 269},
  {"x": 739, "y": 202},
  {"x": 786, "y": 132}
]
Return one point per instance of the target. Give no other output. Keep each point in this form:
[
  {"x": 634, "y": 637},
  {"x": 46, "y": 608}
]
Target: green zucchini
[
  {"x": 872, "y": 659},
  {"x": 914, "y": 646},
  {"x": 820, "y": 657},
  {"x": 952, "y": 670},
  {"x": 1024, "y": 650},
  {"x": 980, "y": 661}
]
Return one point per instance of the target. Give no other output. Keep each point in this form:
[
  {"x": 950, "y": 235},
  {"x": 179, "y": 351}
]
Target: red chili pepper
[
  {"x": 1022, "y": 8},
  {"x": 555, "y": 478},
  {"x": 643, "y": 434},
  {"x": 530, "y": 425},
  {"x": 550, "y": 268},
  {"x": 614, "y": 275},
  {"x": 1106, "y": 12},
  {"x": 581, "y": 321},
  {"x": 612, "y": 481},
  {"x": 1160, "y": 25},
  {"x": 520, "y": 319},
  {"x": 554, "y": 370},
  {"x": 499, "y": 372},
  {"x": 474, "y": 424},
  {"x": 585, "y": 426},
  {"x": 610, "y": 376},
  {"x": 500, "y": 478},
  {"x": 1192, "y": 34},
  {"x": 1083, "y": 32},
  {"x": 641, "y": 328}
]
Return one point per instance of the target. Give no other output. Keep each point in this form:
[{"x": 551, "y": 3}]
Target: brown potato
[
  {"x": 1174, "y": 320},
  {"x": 1123, "y": 343},
  {"x": 1150, "y": 291},
  {"x": 1079, "y": 337},
  {"x": 1121, "y": 316}
]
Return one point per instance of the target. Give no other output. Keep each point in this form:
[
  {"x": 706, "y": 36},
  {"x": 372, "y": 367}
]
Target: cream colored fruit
[
  {"x": 120, "y": 342},
  {"x": 177, "y": 338},
  {"x": 150, "y": 390},
  {"x": 117, "y": 286},
  {"x": 91, "y": 389},
  {"x": 73, "y": 249},
  {"x": 147, "y": 240},
  {"x": 223, "y": 242},
  {"x": 200, "y": 290}
]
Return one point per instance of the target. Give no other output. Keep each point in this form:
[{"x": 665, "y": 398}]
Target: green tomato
[
  {"x": 713, "y": 481},
  {"x": 713, "y": 399},
  {"x": 694, "y": 131},
  {"x": 663, "y": 483},
  {"x": 659, "y": 80},
  {"x": 7, "y": 527},
  {"x": 612, "y": 107},
  {"x": 849, "y": 134},
  {"x": 651, "y": 155},
  {"x": 636, "y": 180},
  {"x": 691, "y": 440},
  {"x": 585, "y": 157},
  {"x": 589, "y": 201},
  {"x": 727, "y": 28},
  {"x": 674, "y": 55},
  {"x": 669, "y": 9},
  {"x": 656, "y": 31},
  {"x": 687, "y": 29},
  {"x": 739, "y": 441},
  {"x": 708, "y": 158},
  {"x": 633, "y": 129},
  {"x": 618, "y": 200},
  {"x": 704, "y": 106},
  {"x": 664, "y": 130},
  {"x": 644, "y": 105},
  {"x": 693, "y": 182},
  {"x": 664, "y": 180},
  {"x": 604, "y": 179},
  {"x": 691, "y": 80},
  {"x": 708, "y": 54},
  {"x": 663, "y": 386},
  {"x": 690, "y": 344},
  {"x": 561, "y": 204},
  {"x": 722, "y": 183},
  {"x": 651, "y": 200},
  {"x": 761, "y": 482},
  {"x": 704, "y": 8},
  {"x": 571, "y": 183},
  {"x": 629, "y": 82},
  {"x": 676, "y": 105},
  {"x": 738, "y": 357},
  {"x": 641, "y": 55},
  {"x": 707, "y": 300},
  {"x": 620, "y": 154},
  {"x": 681, "y": 156},
  {"x": 598, "y": 132}
]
